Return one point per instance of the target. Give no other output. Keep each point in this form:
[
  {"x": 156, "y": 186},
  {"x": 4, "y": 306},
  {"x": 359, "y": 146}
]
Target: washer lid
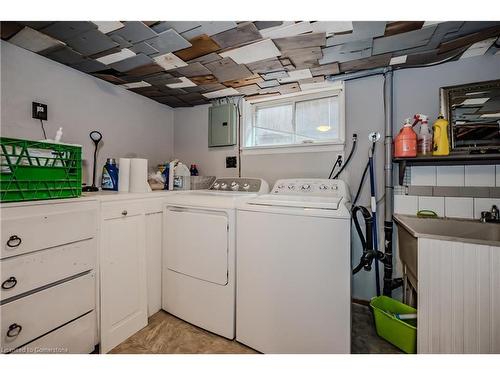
[{"x": 324, "y": 203}]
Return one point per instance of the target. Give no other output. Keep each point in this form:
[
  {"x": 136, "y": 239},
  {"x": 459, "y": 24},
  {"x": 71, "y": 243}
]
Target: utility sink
[{"x": 410, "y": 228}]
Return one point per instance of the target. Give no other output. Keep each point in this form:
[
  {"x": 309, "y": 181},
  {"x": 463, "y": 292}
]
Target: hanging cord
[
  {"x": 43, "y": 129},
  {"x": 363, "y": 176},
  {"x": 353, "y": 148},
  {"x": 337, "y": 162}
]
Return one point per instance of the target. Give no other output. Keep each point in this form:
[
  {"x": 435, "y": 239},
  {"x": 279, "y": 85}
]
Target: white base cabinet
[{"x": 458, "y": 297}]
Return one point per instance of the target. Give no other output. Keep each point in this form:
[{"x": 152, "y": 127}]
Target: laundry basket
[
  {"x": 33, "y": 170},
  {"x": 402, "y": 334}
]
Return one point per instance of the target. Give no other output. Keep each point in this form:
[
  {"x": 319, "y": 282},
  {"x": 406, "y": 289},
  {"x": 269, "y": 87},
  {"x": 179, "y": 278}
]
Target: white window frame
[{"x": 248, "y": 114}]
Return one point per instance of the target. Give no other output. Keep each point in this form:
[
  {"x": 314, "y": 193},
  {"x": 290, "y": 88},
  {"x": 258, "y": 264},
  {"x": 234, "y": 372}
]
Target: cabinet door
[
  {"x": 153, "y": 260},
  {"x": 123, "y": 278}
]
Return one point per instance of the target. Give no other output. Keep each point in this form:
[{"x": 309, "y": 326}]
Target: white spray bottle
[{"x": 424, "y": 137}]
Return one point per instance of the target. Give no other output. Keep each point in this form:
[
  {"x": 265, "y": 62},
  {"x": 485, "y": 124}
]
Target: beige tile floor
[{"x": 166, "y": 334}]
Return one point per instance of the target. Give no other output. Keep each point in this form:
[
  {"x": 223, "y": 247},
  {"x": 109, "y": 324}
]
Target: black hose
[
  {"x": 338, "y": 161},
  {"x": 363, "y": 176},
  {"x": 367, "y": 244},
  {"x": 354, "y": 141}
]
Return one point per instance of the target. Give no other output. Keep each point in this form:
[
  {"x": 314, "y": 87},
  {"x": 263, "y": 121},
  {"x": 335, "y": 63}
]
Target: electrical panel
[{"x": 222, "y": 121}]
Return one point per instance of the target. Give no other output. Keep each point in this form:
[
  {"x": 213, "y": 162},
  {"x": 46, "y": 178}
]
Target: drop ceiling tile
[
  {"x": 288, "y": 88},
  {"x": 267, "y": 24},
  {"x": 169, "y": 61},
  {"x": 337, "y": 54},
  {"x": 327, "y": 69},
  {"x": 89, "y": 66},
  {"x": 212, "y": 87},
  {"x": 244, "y": 81},
  {"x": 200, "y": 46},
  {"x": 296, "y": 75},
  {"x": 264, "y": 66},
  {"x": 286, "y": 30},
  {"x": 361, "y": 30},
  {"x": 117, "y": 56},
  {"x": 121, "y": 41},
  {"x": 301, "y": 41},
  {"x": 108, "y": 26},
  {"x": 249, "y": 90},
  {"x": 65, "y": 30},
  {"x": 34, "y": 41},
  {"x": 367, "y": 63},
  {"x": 209, "y": 28},
  {"x": 131, "y": 63},
  {"x": 394, "y": 28},
  {"x": 243, "y": 33},
  {"x": 266, "y": 84},
  {"x": 204, "y": 80},
  {"x": 193, "y": 70},
  {"x": 275, "y": 75},
  {"x": 356, "y": 46},
  {"x": 135, "y": 32},
  {"x": 220, "y": 93},
  {"x": 185, "y": 82},
  {"x": 227, "y": 70},
  {"x": 402, "y": 41},
  {"x": 205, "y": 59},
  {"x": 145, "y": 70},
  {"x": 91, "y": 42},
  {"x": 179, "y": 26},
  {"x": 160, "y": 79},
  {"x": 135, "y": 85},
  {"x": 397, "y": 60},
  {"x": 478, "y": 48},
  {"x": 65, "y": 55},
  {"x": 145, "y": 48},
  {"x": 331, "y": 27},
  {"x": 304, "y": 57},
  {"x": 168, "y": 41},
  {"x": 262, "y": 50}
]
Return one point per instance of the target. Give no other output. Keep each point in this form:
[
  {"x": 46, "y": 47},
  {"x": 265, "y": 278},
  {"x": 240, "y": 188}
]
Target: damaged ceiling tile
[
  {"x": 193, "y": 70},
  {"x": 221, "y": 93},
  {"x": 205, "y": 59},
  {"x": 265, "y": 49},
  {"x": 267, "y": 24},
  {"x": 397, "y": 60},
  {"x": 394, "y": 28},
  {"x": 266, "y": 84},
  {"x": 145, "y": 48},
  {"x": 469, "y": 39},
  {"x": 243, "y": 33},
  {"x": 64, "y": 55},
  {"x": 108, "y": 26},
  {"x": 200, "y": 45},
  {"x": 301, "y": 41},
  {"x": 185, "y": 82},
  {"x": 179, "y": 26},
  {"x": 91, "y": 42},
  {"x": 135, "y": 85},
  {"x": 402, "y": 41},
  {"x": 275, "y": 75},
  {"x": 338, "y": 54},
  {"x": 145, "y": 70},
  {"x": 327, "y": 69},
  {"x": 287, "y": 29},
  {"x": 209, "y": 28},
  {"x": 249, "y": 90},
  {"x": 65, "y": 30},
  {"x": 204, "y": 80},
  {"x": 295, "y": 75},
  {"x": 331, "y": 27},
  {"x": 110, "y": 78},
  {"x": 89, "y": 66},
  {"x": 264, "y": 66},
  {"x": 169, "y": 61},
  {"x": 367, "y": 63},
  {"x": 117, "y": 56},
  {"x": 134, "y": 32},
  {"x": 8, "y": 29},
  {"x": 168, "y": 41},
  {"x": 361, "y": 30},
  {"x": 244, "y": 81},
  {"x": 34, "y": 41},
  {"x": 478, "y": 48},
  {"x": 131, "y": 63},
  {"x": 227, "y": 70}
]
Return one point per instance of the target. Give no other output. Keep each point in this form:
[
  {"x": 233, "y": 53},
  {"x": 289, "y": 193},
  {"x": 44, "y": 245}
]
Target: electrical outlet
[
  {"x": 39, "y": 111},
  {"x": 231, "y": 162}
]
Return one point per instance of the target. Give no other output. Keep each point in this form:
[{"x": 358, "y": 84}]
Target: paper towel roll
[
  {"x": 139, "y": 175},
  {"x": 124, "y": 175}
]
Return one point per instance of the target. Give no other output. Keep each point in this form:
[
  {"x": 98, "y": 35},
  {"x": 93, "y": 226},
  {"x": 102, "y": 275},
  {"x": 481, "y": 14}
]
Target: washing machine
[
  {"x": 294, "y": 268},
  {"x": 198, "y": 273}
]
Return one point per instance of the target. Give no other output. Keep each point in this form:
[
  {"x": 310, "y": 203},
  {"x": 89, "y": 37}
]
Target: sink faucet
[{"x": 492, "y": 216}]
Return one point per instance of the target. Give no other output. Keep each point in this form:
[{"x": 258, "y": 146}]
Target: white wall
[
  {"x": 415, "y": 91},
  {"x": 132, "y": 125}
]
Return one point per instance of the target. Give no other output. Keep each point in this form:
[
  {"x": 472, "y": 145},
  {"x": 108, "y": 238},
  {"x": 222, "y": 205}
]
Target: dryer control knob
[
  {"x": 291, "y": 187},
  {"x": 305, "y": 187},
  {"x": 223, "y": 186},
  {"x": 216, "y": 186},
  {"x": 246, "y": 186},
  {"x": 323, "y": 187},
  {"x": 235, "y": 186}
]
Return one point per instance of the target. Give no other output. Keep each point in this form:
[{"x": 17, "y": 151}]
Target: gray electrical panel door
[{"x": 222, "y": 125}]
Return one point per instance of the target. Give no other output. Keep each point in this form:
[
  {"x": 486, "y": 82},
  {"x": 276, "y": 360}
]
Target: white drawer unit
[
  {"x": 27, "y": 272},
  {"x": 40, "y": 226},
  {"x": 31, "y": 317}
]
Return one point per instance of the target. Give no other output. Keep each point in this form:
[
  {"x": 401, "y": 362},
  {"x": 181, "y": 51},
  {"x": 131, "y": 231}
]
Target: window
[{"x": 298, "y": 120}]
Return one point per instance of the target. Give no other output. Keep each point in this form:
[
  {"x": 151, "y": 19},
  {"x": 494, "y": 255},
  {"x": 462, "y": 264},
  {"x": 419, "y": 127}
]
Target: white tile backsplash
[
  {"x": 484, "y": 204},
  {"x": 462, "y": 208},
  {"x": 479, "y": 175},
  {"x": 435, "y": 204},
  {"x": 406, "y": 204},
  {"x": 450, "y": 175},
  {"x": 423, "y": 176}
]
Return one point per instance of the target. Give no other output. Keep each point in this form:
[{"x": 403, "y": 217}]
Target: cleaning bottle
[
  {"x": 424, "y": 138},
  {"x": 193, "y": 170},
  {"x": 59, "y": 135},
  {"x": 405, "y": 143},
  {"x": 441, "y": 145},
  {"x": 110, "y": 175}
]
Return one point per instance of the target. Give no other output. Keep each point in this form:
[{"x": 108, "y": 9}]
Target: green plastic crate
[
  {"x": 34, "y": 170},
  {"x": 392, "y": 329}
]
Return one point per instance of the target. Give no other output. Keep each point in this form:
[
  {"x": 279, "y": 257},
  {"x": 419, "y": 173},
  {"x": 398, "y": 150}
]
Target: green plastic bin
[
  {"x": 34, "y": 170},
  {"x": 398, "y": 332}
]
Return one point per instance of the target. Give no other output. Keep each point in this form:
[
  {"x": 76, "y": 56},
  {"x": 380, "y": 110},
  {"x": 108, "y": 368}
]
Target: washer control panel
[
  {"x": 311, "y": 186},
  {"x": 250, "y": 185}
]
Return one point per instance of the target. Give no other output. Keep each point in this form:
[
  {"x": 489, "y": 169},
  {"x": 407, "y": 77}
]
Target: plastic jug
[
  {"x": 405, "y": 143},
  {"x": 182, "y": 177},
  {"x": 109, "y": 179},
  {"x": 441, "y": 145}
]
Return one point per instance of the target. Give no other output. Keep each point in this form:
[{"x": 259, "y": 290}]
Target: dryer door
[{"x": 197, "y": 243}]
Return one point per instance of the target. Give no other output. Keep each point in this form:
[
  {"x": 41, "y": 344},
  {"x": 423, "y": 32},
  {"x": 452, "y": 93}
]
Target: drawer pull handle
[
  {"x": 10, "y": 283},
  {"x": 14, "y": 241},
  {"x": 124, "y": 212},
  {"x": 14, "y": 330}
]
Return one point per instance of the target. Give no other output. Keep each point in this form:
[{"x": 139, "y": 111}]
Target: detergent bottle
[
  {"x": 441, "y": 145},
  {"x": 405, "y": 143},
  {"x": 424, "y": 138},
  {"x": 110, "y": 175}
]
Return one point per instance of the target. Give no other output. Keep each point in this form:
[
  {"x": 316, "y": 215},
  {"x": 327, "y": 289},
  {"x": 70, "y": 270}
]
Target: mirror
[{"x": 473, "y": 111}]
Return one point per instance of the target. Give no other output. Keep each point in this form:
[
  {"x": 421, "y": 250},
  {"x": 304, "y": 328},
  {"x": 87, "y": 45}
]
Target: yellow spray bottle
[{"x": 441, "y": 144}]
